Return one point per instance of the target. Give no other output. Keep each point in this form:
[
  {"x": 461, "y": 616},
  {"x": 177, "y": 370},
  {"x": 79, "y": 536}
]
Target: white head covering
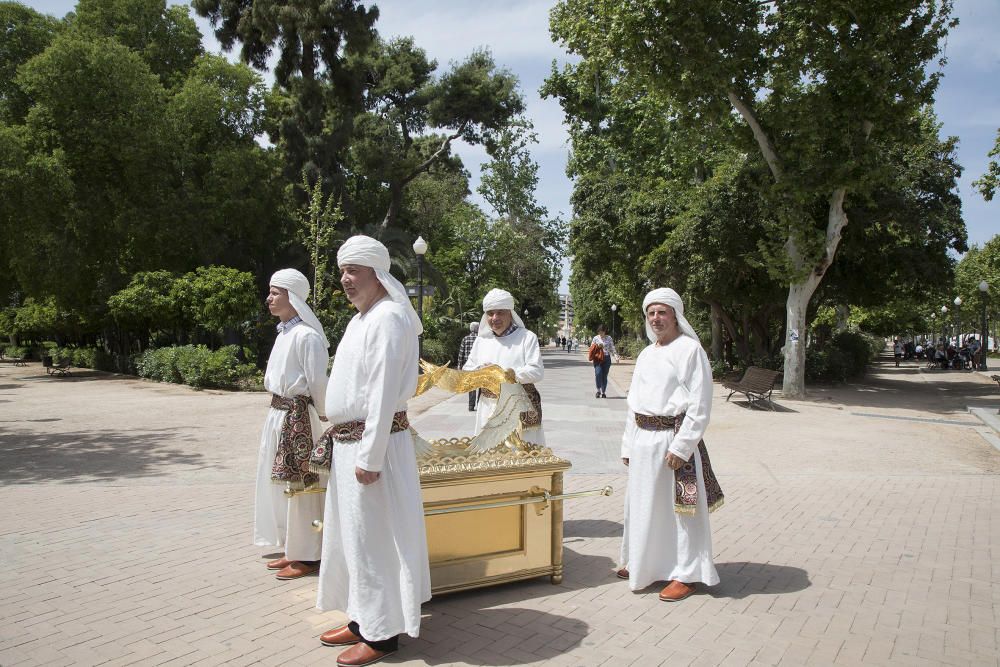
[
  {"x": 298, "y": 291},
  {"x": 497, "y": 299},
  {"x": 668, "y": 297},
  {"x": 366, "y": 251}
]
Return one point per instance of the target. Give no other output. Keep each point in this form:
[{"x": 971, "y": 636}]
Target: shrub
[
  {"x": 199, "y": 367},
  {"x": 629, "y": 347},
  {"x": 15, "y": 352},
  {"x": 436, "y": 352}
]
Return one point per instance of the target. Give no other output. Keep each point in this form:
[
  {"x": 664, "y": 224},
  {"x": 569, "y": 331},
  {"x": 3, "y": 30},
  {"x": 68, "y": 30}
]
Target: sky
[{"x": 516, "y": 32}]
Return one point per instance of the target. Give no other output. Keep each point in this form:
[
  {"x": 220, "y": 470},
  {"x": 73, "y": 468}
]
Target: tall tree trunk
[
  {"x": 801, "y": 291},
  {"x": 716, "y": 332}
]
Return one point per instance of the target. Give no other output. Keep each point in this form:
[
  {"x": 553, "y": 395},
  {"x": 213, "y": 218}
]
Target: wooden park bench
[
  {"x": 756, "y": 384},
  {"x": 60, "y": 369}
]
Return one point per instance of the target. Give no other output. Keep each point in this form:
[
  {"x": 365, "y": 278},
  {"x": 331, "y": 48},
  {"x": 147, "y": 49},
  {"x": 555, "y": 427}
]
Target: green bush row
[{"x": 198, "y": 366}]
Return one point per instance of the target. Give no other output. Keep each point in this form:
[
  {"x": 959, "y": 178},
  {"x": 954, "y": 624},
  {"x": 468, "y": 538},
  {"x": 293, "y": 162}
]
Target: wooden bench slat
[{"x": 756, "y": 384}]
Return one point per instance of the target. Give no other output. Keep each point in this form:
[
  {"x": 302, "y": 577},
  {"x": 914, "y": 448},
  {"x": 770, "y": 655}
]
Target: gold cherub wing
[{"x": 505, "y": 422}]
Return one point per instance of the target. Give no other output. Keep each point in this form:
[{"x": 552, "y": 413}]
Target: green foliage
[
  {"x": 26, "y": 34},
  {"x": 197, "y": 366},
  {"x": 439, "y": 352},
  {"x": 15, "y": 352},
  {"x": 846, "y": 357},
  {"x": 629, "y": 347},
  {"x": 657, "y": 96},
  {"x": 987, "y": 183},
  {"x": 216, "y": 298},
  {"x": 148, "y": 302},
  {"x": 166, "y": 37}
]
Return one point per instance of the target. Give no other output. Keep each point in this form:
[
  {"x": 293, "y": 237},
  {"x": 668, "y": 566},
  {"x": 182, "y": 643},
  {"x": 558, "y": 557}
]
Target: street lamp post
[
  {"x": 420, "y": 248},
  {"x": 958, "y": 323},
  {"x": 614, "y": 309},
  {"x": 944, "y": 326},
  {"x": 984, "y": 347}
]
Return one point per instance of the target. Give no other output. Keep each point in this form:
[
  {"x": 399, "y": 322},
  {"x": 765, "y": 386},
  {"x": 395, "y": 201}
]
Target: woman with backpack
[{"x": 602, "y": 348}]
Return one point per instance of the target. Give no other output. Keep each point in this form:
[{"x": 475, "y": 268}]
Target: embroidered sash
[
  {"x": 350, "y": 431},
  {"x": 295, "y": 444},
  {"x": 529, "y": 418},
  {"x": 686, "y": 477}
]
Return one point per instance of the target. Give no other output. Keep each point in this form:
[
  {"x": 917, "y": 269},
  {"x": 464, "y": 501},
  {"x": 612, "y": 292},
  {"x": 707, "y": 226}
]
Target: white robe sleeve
[
  {"x": 383, "y": 379},
  {"x": 315, "y": 359},
  {"x": 532, "y": 370},
  {"x": 696, "y": 375},
  {"x": 629, "y": 435},
  {"x": 472, "y": 363}
]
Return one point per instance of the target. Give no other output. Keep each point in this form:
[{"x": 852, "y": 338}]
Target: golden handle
[{"x": 291, "y": 493}]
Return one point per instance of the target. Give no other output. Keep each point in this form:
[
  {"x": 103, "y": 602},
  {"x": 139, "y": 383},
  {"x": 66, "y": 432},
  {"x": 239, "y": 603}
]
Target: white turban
[
  {"x": 298, "y": 291},
  {"x": 668, "y": 297},
  {"x": 497, "y": 299},
  {"x": 366, "y": 251}
]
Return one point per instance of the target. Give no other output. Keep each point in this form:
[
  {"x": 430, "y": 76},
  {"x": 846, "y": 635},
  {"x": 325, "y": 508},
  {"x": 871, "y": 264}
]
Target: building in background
[{"x": 566, "y": 322}]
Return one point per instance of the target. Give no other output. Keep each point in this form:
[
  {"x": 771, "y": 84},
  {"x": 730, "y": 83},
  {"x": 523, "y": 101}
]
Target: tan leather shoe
[
  {"x": 360, "y": 655},
  {"x": 279, "y": 564},
  {"x": 676, "y": 591},
  {"x": 622, "y": 573},
  {"x": 296, "y": 569},
  {"x": 341, "y": 636}
]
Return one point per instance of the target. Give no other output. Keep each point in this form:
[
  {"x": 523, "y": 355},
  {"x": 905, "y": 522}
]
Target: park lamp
[
  {"x": 984, "y": 287},
  {"x": 420, "y": 246},
  {"x": 944, "y": 310},
  {"x": 958, "y": 301}
]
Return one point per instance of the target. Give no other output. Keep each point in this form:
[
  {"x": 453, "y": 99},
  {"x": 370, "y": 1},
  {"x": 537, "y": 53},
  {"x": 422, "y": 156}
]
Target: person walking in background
[
  {"x": 897, "y": 351},
  {"x": 602, "y": 348},
  {"x": 464, "y": 349}
]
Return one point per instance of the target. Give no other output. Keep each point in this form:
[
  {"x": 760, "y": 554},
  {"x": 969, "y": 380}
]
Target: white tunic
[
  {"x": 296, "y": 367},
  {"x": 518, "y": 350},
  {"x": 375, "y": 565},
  {"x": 660, "y": 544}
]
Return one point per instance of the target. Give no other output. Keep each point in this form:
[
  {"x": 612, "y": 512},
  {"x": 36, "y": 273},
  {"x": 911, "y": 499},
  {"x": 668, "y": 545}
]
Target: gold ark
[{"x": 493, "y": 504}]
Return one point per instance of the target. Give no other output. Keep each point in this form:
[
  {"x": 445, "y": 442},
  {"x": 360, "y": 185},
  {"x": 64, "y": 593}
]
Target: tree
[
  {"x": 813, "y": 83},
  {"x": 26, "y": 34},
  {"x": 317, "y": 225},
  {"x": 987, "y": 183},
  {"x": 318, "y": 93},
  {"x": 165, "y": 37},
  {"x": 218, "y": 298},
  {"x": 147, "y": 304}
]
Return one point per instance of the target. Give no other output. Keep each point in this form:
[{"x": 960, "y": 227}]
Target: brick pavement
[{"x": 853, "y": 534}]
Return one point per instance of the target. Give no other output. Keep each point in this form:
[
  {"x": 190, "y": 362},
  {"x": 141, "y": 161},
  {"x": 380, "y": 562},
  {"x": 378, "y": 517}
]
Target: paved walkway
[{"x": 861, "y": 527}]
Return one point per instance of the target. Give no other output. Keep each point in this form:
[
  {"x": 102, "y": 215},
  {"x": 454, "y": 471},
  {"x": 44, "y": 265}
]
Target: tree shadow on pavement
[
  {"x": 741, "y": 579},
  {"x": 933, "y": 394},
  {"x": 494, "y": 636},
  {"x": 592, "y": 528},
  {"x": 27, "y": 457}
]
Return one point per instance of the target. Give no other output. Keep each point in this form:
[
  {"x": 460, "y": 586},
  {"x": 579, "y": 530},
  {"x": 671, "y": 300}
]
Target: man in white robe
[
  {"x": 296, "y": 378},
  {"x": 671, "y": 486},
  {"x": 503, "y": 341},
  {"x": 375, "y": 565}
]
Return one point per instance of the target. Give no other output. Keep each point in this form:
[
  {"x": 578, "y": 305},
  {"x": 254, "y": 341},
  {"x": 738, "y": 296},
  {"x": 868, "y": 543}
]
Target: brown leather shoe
[
  {"x": 676, "y": 591},
  {"x": 341, "y": 636},
  {"x": 622, "y": 573},
  {"x": 279, "y": 564},
  {"x": 296, "y": 569},
  {"x": 360, "y": 655}
]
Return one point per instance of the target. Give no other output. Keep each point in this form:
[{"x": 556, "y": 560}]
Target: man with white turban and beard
[
  {"x": 503, "y": 341},
  {"x": 671, "y": 486},
  {"x": 296, "y": 378},
  {"x": 375, "y": 566}
]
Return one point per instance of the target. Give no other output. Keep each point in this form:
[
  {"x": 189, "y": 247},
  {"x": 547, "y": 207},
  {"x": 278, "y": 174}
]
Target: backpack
[{"x": 595, "y": 353}]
